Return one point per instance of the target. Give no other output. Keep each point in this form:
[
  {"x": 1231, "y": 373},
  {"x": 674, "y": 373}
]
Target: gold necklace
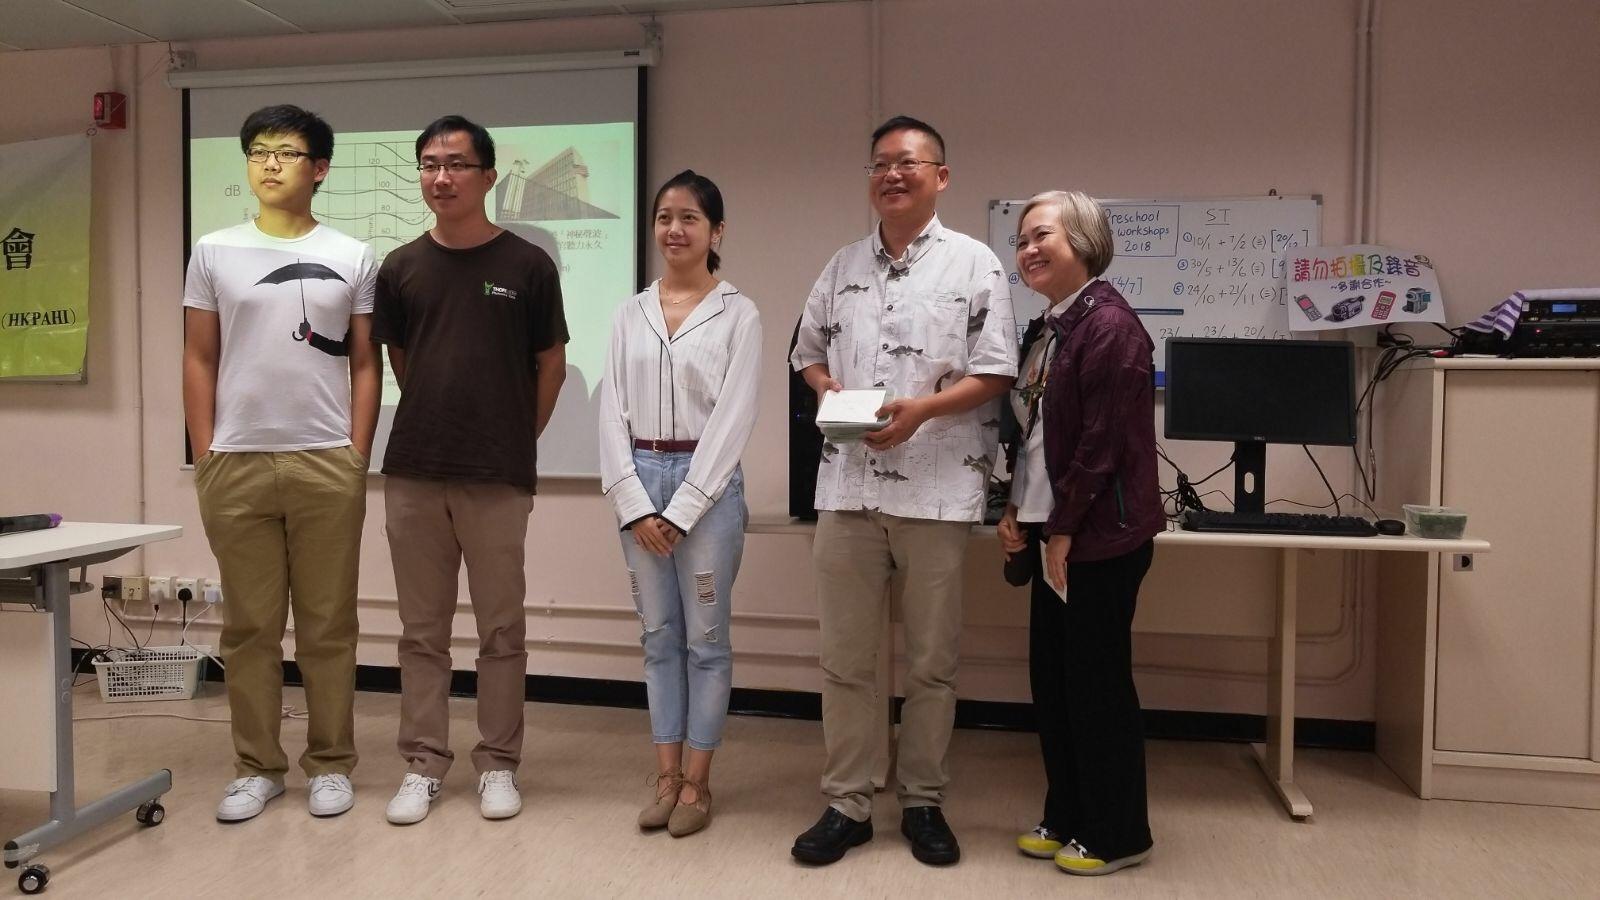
[{"x": 684, "y": 299}]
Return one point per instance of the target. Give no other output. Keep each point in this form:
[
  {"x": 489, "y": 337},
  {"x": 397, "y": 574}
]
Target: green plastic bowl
[{"x": 1443, "y": 522}]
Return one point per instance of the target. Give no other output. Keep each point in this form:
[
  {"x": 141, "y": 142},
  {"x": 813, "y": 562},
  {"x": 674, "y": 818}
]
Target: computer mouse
[{"x": 1390, "y": 526}]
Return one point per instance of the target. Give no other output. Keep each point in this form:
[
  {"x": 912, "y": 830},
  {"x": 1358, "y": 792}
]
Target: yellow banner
[{"x": 44, "y": 258}]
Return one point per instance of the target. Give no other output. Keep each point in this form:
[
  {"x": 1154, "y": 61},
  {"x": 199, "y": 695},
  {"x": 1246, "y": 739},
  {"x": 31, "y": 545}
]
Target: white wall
[{"x": 1486, "y": 129}]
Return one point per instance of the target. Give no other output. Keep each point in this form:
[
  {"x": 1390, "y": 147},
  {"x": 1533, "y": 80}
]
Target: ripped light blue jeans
[{"x": 684, "y": 602}]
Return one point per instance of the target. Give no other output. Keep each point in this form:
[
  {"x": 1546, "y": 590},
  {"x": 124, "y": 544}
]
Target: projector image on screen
[{"x": 559, "y": 189}]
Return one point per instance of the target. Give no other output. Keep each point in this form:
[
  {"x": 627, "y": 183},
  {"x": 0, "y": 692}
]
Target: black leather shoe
[
  {"x": 829, "y": 839},
  {"x": 932, "y": 841}
]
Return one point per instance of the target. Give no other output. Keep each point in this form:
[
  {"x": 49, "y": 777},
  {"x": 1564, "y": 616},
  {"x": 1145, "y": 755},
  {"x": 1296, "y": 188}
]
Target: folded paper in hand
[{"x": 847, "y": 415}]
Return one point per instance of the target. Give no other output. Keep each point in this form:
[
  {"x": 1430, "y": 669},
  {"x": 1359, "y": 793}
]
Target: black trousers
[{"x": 1080, "y": 663}]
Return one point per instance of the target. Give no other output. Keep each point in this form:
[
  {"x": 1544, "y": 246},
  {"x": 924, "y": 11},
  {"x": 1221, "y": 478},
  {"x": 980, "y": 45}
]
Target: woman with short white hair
[{"x": 1085, "y": 490}]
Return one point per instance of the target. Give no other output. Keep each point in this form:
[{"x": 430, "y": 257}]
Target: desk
[
  {"x": 38, "y": 563},
  {"x": 1276, "y": 754}
]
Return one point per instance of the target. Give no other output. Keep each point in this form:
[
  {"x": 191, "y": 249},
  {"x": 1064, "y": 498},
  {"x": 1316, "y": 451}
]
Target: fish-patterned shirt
[{"x": 914, "y": 325}]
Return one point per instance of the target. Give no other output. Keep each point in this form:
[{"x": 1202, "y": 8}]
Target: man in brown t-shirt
[{"x": 472, "y": 317}]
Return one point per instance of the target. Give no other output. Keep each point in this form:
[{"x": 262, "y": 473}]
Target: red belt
[{"x": 664, "y": 446}]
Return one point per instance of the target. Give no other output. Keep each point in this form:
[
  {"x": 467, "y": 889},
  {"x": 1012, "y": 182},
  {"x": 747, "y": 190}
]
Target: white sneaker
[
  {"x": 331, "y": 795},
  {"x": 498, "y": 797},
  {"x": 410, "y": 803},
  {"x": 245, "y": 798}
]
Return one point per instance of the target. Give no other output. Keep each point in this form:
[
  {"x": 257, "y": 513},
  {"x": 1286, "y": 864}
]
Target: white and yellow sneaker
[
  {"x": 1076, "y": 859},
  {"x": 1040, "y": 843}
]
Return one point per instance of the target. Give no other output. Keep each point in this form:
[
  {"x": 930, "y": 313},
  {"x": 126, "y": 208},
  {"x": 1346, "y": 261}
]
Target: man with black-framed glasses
[
  {"x": 471, "y": 314},
  {"x": 280, "y": 390},
  {"x": 924, "y": 312}
]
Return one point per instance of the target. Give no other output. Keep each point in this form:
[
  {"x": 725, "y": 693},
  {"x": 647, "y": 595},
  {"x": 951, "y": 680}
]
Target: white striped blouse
[{"x": 700, "y": 384}]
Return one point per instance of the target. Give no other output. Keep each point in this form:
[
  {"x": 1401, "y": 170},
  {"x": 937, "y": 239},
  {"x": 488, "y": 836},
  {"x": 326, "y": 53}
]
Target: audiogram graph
[{"x": 372, "y": 193}]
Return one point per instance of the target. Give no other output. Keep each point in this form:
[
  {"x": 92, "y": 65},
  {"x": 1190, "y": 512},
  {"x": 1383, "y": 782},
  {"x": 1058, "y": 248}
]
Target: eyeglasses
[
  {"x": 454, "y": 167},
  {"x": 902, "y": 166},
  {"x": 284, "y": 157}
]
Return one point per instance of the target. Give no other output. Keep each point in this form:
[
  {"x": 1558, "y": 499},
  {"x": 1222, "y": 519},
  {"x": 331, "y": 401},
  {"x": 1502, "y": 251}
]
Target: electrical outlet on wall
[
  {"x": 212, "y": 590},
  {"x": 192, "y": 585},
  {"x": 159, "y": 588},
  {"x": 134, "y": 588}
]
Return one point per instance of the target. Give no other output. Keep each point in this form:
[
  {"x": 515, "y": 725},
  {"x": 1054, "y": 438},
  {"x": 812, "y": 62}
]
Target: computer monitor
[{"x": 1259, "y": 392}]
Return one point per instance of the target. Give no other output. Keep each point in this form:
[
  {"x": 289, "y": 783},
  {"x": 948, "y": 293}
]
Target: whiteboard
[{"x": 1190, "y": 268}]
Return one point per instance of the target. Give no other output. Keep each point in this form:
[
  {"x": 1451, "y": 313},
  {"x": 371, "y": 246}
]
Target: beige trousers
[
  {"x": 856, "y": 555},
  {"x": 433, "y": 526},
  {"x": 286, "y": 531}
]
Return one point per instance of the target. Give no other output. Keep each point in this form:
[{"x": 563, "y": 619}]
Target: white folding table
[
  {"x": 1276, "y": 755},
  {"x": 35, "y": 570}
]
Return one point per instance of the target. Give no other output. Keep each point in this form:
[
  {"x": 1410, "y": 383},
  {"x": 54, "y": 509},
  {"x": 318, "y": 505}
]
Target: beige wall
[{"x": 1486, "y": 128}]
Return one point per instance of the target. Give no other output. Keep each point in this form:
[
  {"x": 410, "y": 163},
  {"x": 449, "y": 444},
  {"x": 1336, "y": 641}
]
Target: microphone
[
  {"x": 13, "y": 524},
  {"x": 1020, "y": 566}
]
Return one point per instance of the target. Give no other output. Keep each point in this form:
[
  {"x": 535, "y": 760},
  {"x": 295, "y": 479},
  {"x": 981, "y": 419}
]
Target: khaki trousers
[
  {"x": 286, "y": 531},
  {"x": 856, "y": 554},
  {"x": 433, "y": 526}
]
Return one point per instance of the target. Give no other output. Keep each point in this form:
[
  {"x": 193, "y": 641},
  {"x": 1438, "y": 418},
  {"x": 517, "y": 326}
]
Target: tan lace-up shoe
[
  {"x": 659, "y": 812},
  {"x": 688, "y": 818}
]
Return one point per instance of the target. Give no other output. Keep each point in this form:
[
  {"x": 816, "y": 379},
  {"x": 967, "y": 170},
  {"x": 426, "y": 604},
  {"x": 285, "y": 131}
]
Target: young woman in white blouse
[{"x": 676, "y": 408}]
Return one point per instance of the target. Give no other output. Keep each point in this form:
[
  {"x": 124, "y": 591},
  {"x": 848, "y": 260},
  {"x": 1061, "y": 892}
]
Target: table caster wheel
[
  {"x": 150, "y": 814},
  {"x": 33, "y": 879}
]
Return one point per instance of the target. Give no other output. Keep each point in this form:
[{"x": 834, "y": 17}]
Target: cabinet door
[{"x": 1516, "y": 636}]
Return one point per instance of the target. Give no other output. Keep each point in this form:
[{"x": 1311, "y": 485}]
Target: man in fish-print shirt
[{"x": 924, "y": 312}]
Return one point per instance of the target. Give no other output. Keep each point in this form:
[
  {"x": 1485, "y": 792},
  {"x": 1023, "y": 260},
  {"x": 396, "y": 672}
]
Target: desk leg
[
  {"x": 1276, "y": 756},
  {"x": 66, "y": 820}
]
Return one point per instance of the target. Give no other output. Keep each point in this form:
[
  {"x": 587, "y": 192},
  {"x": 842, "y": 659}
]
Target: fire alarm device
[{"x": 110, "y": 110}]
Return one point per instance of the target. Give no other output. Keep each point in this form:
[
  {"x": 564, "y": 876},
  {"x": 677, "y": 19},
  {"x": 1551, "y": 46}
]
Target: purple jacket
[{"x": 1099, "y": 419}]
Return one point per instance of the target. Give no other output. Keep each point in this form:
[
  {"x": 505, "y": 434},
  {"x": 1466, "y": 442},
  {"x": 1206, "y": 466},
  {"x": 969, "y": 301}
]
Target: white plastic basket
[{"x": 153, "y": 673}]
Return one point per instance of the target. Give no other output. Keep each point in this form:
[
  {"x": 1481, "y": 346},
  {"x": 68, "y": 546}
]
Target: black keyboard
[{"x": 1277, "y": 523}]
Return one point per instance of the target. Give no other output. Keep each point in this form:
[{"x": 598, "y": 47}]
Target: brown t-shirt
[{"x": 470, "y": 322}]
